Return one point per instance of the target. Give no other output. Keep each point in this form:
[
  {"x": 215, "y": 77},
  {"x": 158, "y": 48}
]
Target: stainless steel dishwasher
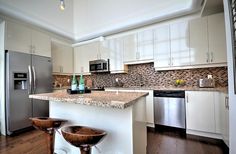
[{"x": 169, "y": 108}]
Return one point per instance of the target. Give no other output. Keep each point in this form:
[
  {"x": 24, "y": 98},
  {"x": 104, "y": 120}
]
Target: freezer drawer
[{"x": 170, "y": 111}]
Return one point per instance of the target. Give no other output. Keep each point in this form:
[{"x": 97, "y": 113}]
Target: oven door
[{"x": 92, "y": 67}]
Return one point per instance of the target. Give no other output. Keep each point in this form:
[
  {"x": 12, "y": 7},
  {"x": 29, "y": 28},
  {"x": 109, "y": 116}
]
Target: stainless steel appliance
[
  {"x": 169, "y": 108},
  {"x": 206, "y": 83},
  {"x": 100, "y": 65},
  {"x": 25, "y": 74}
]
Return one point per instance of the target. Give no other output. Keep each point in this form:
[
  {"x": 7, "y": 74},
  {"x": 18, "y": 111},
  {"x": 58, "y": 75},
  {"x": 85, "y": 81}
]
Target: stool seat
[
  {"x": 48, "y": 125},
  {"x": 82, "y": 137}
]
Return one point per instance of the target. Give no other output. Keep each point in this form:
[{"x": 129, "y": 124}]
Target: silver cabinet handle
[
  {"x": 212, "y": 57},
  {"x": 30, "y": 80},
  {"x": 137, "y": 55},
  {"x": 61, "y": 69},
  {"x": 227, "y": 102},
  {"x": 187, "y": 98},
  {"x": 169, "y": 61},
  {"x": 172, "y": 61},
  {"x": 207, "y": 57},
  {"x": 34, "y": 74}
]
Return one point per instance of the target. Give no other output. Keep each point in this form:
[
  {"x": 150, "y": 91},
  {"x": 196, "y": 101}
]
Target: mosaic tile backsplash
[{"x": 145, "y": 74}]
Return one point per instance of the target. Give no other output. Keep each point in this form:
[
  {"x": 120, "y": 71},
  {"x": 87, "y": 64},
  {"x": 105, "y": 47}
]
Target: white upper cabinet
[
  {"x": 82, "y": 55},
  {"x": 138, "y": 47},
  {"x": 130, "y": 48},
  {"x": 179, "y": 44},
  {"x": 18, "y": 37},
  {"x": 103, "y": 50},
  {"x": 162, "y": 47},
  {"x": 116, "y": 55},
  {"x": 217, "y": 38},
  {"x": 24, "y": 39},
  {"x": 145, "y": 45},
  {"x": 207, "y": 40},
  {"x": 198, "y": 41},
  {"x": 171, "y": 46},
  {"x": 41, "y": 43},
  {"x": 62, "y": 58}
]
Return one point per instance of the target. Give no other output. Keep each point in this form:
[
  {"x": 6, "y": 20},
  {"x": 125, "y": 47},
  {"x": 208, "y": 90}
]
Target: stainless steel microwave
[{"x": 100, "y": 65}]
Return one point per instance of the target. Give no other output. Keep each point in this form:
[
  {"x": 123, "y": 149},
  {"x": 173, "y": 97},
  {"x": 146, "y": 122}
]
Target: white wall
[
  {"x": 2, "y": 77},
  {"x": 232, "y": 96},
  {"x": 43, "y": 13},
  {"x": 97, "y": 17}
]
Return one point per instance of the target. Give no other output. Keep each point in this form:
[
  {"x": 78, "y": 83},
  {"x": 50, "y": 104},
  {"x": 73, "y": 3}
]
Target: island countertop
[{"x": 120, "y": 100}]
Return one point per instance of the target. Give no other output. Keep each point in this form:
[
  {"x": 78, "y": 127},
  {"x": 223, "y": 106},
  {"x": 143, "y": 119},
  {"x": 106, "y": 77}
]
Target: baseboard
[
  {"x": 204, "y": 134},
  {"x": 150, "y": 129}
]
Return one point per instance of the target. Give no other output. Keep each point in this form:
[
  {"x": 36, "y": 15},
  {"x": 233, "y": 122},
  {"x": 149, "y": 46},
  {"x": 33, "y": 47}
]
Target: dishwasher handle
[{"x": 169, "y": 93}]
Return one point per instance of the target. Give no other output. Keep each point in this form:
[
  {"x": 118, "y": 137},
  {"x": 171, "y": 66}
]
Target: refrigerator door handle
[
  {"x": 34, "y": 74},
  {"x": 30, "y": 80}
]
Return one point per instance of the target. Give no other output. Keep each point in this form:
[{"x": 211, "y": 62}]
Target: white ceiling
[
  {"x": 43, "y": 13},
  {"x": 86, "y": 19}
]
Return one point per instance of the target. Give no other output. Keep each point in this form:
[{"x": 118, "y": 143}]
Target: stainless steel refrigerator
[{"x": 25, "y": 74}]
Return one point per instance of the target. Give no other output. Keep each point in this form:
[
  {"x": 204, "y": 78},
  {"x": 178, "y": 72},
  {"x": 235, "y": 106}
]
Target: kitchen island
[{"x": 122, "y": 115}]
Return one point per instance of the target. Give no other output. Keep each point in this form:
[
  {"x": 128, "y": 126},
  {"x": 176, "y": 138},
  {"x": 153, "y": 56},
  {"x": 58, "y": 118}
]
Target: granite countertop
[
  {"x": 220, "y": 89},
  {"x": 119, "y": 100}
]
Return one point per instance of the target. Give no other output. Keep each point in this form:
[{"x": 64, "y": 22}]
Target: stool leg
[
  {"x": 50, "y": 142},
  {"x": 85, "y": 150}
]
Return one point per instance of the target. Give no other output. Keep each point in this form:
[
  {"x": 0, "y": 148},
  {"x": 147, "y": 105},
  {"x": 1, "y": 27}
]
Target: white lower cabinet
[
  {"x": 207, "y": 114},
  {"x": 149, "y": 107},
  {"x": 224, "y": 106},
  {"x": 149, "y": 103},
  {"x": 200, "y": 113}
]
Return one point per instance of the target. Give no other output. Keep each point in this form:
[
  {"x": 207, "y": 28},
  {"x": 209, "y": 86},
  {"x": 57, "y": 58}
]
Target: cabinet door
[
  {"x": 200, "y": 111},
  {"x": 82, "y": 55},
  {"x": 116, "y": 55},
  {"x": 198, "y": 41},
  {"x": 145, "y": 45},
  {"x": 130, "y": 48},
  {"x": 56, "y": 58},
  {"x": 18, "y": 37},
  {"x": 104, "y": 50},
  {"x": 217, "y": 38},
  {"x": 149, "y": 107},
  {"x": 162, "y": 47},
  {"x": 224, "y": 118},
  {"x": 179, "y": 38},
  {"x": 62, "y": 57},
  {"x": 41, "y": 43}
]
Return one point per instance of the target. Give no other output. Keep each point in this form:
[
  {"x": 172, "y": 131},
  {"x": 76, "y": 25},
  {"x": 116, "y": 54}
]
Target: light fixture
[{"x": 62, "y": 5}]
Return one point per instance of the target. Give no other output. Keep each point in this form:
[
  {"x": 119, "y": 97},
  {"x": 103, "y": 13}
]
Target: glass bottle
[
  {"x": 74, "y": 83},
  {"x": 81, "y": 83}
]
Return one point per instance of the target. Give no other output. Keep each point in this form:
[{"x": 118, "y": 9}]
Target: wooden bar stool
[
  {"x": 48, "y": 125},
  {"x": 82, "y": 137}
]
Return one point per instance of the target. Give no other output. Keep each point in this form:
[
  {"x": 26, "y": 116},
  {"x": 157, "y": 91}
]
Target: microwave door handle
[
  {"x": 34, "y": 74},
  {"x": 30, "y": 80}
]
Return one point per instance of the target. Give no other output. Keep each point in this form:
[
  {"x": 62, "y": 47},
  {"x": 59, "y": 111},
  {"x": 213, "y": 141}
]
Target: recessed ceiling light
[{"x": 62, "y": 5}]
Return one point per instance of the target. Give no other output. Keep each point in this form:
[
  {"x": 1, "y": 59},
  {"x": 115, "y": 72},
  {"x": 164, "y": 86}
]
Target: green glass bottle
[
  {"x": 74, "y": 83},
  {"x": 81, "y": 83}
]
